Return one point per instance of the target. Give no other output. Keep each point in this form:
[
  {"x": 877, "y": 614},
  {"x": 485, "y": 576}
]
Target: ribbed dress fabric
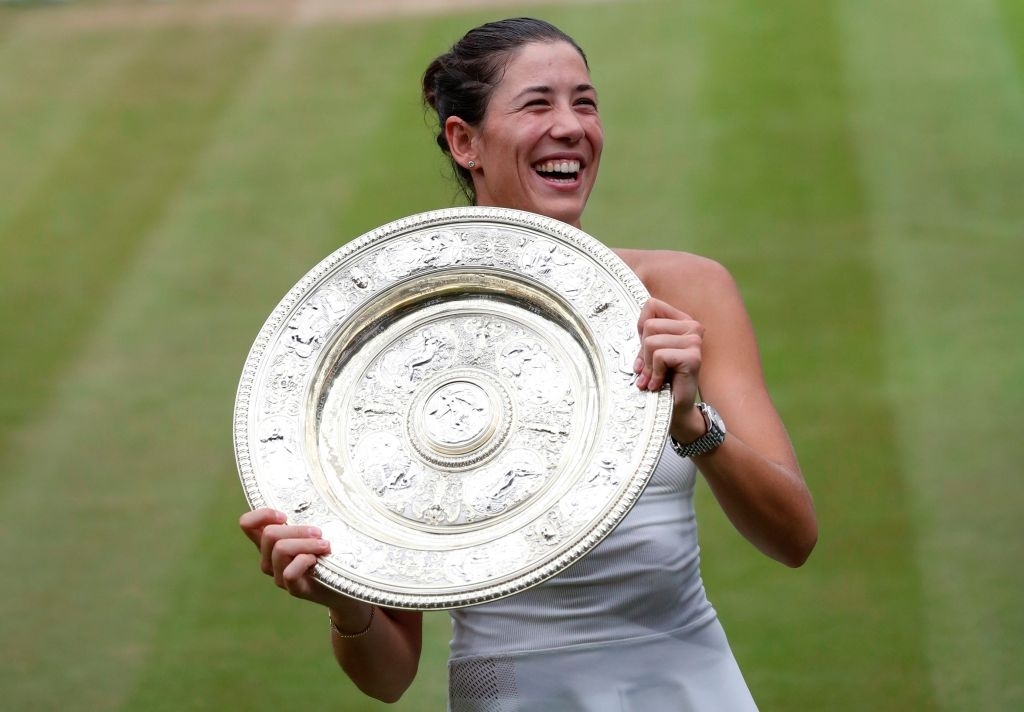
[{"x": 626, "y": 628}]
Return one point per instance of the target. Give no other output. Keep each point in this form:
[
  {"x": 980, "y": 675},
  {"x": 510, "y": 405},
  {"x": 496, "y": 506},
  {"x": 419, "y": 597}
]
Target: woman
[{"x": 629, "y": 626}]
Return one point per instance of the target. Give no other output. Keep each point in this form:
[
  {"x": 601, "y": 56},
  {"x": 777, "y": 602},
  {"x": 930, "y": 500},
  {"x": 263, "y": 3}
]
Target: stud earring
[{"x": 471, "y": 165}]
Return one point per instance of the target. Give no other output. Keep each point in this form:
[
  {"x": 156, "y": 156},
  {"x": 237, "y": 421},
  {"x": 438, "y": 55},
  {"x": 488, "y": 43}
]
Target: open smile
[{"x": 565, "y": 171}]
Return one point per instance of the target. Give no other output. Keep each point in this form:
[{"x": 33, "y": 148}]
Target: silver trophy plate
[{"x": 451, "y": 399}]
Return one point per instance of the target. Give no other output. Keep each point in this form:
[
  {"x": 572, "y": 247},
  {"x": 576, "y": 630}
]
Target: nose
[{"x": 566, "y": 125}]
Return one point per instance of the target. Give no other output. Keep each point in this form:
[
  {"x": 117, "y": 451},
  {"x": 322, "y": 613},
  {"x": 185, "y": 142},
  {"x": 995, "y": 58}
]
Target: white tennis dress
[{"x": 626, "y": 628}]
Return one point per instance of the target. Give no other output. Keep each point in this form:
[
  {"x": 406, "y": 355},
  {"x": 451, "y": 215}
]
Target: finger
[
  {"x": 671, "y": 364},
  {"x": 274, "y": 534},
  {"x": 654, "y": 325},
  {"x": 656, "y": 309},
  {"x": 295, "y": 575},
  {"x": 286, "y": 550},
  {"x": 654, "y": 337},
  {"x": 252, "y": 523},
  {"x": 659, "y": 325},
  {"x": 666, "y": 352}
]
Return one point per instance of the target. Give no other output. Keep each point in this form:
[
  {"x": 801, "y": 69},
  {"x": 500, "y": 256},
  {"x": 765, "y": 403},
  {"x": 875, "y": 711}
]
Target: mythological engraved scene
[
  {"x": 453, "y": 403},
  {"x": 461, "y": 419}
]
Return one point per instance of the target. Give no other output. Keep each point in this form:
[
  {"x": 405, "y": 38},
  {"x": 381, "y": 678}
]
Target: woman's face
[{"x": 539, "y": 144}]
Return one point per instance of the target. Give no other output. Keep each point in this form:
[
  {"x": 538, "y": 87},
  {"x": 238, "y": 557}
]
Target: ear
[{"x": 461, "y": 140}]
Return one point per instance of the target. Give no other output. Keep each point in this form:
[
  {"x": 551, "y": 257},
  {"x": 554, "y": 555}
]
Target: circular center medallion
[
  {"x": 457, "y": 417},
  {"x": 459, "y": 420}
]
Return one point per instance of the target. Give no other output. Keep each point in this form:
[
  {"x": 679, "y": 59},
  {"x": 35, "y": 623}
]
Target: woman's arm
[
  {"x": 378, "y": 648},
  {"x": 696, "y": 333}
]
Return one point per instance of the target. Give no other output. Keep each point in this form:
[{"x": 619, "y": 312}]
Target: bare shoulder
[{"x": 683, "y": 279}]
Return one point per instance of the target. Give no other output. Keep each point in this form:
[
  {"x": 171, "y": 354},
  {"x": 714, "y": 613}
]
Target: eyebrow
[{"x": 543, "y": 89}]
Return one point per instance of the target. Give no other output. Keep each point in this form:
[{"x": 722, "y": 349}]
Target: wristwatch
[{"x": 707, "y": 442}]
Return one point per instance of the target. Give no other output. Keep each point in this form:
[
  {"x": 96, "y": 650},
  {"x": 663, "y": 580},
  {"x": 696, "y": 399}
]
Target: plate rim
[{"x": 616, "y": 508}]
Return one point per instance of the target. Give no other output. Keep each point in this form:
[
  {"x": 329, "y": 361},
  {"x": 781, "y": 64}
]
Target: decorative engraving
[
  {"x": 507, "y": 483},
  {"x": 359, "y": 278},
  {"x": 427, "y": 350},
  {"x": 623, "y": 343},
  {"x": 456, "y": 414},
  {"x": 437, "y": 249},
  {"x": 306, "y": 330},
  {"x": 549, "y": 531},
  {"x": 450, "y": 398},
  {"x": 283, "y": 386}
]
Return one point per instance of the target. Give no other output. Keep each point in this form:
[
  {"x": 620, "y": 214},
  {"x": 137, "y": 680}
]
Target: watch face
[{"x": 715, "y": 421}]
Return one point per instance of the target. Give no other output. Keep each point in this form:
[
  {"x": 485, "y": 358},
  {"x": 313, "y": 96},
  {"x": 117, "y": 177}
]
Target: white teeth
[{"x": 558, "y": 167}]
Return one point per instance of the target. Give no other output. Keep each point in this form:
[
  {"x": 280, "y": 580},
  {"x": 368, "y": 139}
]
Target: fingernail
[
  {"x": 638, "y": 365},
  {"x": 313, "y": 531}
]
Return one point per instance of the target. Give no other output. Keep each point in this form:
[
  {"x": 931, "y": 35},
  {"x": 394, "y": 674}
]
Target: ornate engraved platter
[{"x": 451, "y": 399}]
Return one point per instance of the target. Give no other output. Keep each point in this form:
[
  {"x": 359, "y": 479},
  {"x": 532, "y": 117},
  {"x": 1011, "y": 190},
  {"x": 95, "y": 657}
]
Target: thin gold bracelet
[{"x": 343, "y": 634}]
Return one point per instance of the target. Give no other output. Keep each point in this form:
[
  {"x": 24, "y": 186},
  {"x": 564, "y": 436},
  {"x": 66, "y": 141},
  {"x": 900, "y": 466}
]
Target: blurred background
[{"x": 168, "y": 170}]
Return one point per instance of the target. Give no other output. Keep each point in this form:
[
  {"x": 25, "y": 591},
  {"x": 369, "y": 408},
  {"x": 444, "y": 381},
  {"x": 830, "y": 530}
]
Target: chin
[{"x": 567, "y": 214}]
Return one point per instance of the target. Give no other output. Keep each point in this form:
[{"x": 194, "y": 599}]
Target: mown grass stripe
[
  {"x": 779, "y": 200},
  {"x": 75, "y": 234},
  {"x": 46, "y": 103},
  {"x": 339, "y": 127},
  {"x": 122, "y": 496},
  {"x": 1011, "y": 22},
  {"x": 940, "y": 127},
  {"x": 108, "y": 476}
]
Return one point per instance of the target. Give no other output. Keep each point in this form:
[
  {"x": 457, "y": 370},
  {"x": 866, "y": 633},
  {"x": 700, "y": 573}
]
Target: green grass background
[{"x": 857, "y": 164}]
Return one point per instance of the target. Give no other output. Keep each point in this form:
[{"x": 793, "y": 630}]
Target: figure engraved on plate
[
  {"x": 277, "y": 449},
  {"x": 283, "y": 385},
  {"x": 458, "y": 411},
  {"x": 333, "y": 303},
  {"x": 352, "y": 548},
  {"x": 605, "y": 472},
  {"x": 504, "y": 253},
  {"x": 542, "y": 258},
  {"x": 485, "y": 332},
  {"x": 548, "y": 531},
  {"x": 438, "y": 249},
  {"x": 427, "y": 349},
  {"x": 277, "y": 434},
  {"x": 523, "y": 357},
  {"x": 359, "y": 278},
  {"x": 622, "y": 339},
  {"x": 383, "y": 464},
  {"x": 508, "y": 482},
  {"x": 439, "y": 502},
  {"x": 304, "y": 333}
]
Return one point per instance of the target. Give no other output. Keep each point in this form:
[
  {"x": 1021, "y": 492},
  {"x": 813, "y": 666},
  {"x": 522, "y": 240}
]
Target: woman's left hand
[{"x": 671, "y": 350}]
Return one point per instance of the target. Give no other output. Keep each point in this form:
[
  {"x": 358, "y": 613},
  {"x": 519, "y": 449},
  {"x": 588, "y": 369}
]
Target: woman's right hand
[
  {"x": 288, "y": 553},
  {"x": 381, "y": 660}
]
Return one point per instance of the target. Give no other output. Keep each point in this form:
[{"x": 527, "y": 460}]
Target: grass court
[{"x": 169, "y": 170}]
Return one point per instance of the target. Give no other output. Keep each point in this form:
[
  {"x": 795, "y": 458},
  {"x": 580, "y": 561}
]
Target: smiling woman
[
  {"x": 518, "y": 132},
  {"x": 628, "y": 627},
  {"x": 539, "y": 145}
]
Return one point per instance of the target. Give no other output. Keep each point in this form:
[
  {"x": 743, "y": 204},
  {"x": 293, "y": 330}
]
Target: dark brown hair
[{"x": 460, "y": 81}]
